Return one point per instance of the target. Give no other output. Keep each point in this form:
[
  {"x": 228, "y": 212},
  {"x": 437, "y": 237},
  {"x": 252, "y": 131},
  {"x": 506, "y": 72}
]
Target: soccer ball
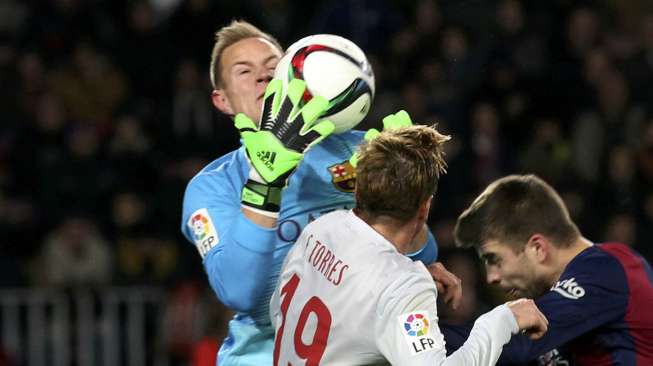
[{"x": 336, "y": 69}]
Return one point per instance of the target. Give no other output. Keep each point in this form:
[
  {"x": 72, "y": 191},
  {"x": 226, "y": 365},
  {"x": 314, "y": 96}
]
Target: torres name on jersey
[{"x": 325, "y": 262}]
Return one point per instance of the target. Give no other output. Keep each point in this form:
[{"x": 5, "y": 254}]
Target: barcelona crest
[{"x": 343, "y": 176}]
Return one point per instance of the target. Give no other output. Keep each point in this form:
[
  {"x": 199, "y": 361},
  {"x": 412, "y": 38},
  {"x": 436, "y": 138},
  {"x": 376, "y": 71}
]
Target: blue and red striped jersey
[{"x": 600, "y": 312}]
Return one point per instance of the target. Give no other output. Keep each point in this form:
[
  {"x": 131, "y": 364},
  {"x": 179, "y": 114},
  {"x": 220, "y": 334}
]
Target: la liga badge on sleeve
[
  {"x": 204, "y": 234},
  {"x": 415, "y": 327}
]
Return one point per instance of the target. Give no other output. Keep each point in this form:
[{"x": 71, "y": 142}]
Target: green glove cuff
[{"x": 262, "y": 197}]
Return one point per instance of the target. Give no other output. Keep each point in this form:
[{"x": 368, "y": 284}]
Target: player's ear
[
  {"x": 424, "y": 208},
  {"x": 538, "y": 247},
  {"x": 221, "y": 102}
]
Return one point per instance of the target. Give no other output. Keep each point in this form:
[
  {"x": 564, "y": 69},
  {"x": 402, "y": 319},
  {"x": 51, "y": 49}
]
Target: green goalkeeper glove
[
  {"x": 391, "y": 122},
  {"x": 274, "y": 149}
]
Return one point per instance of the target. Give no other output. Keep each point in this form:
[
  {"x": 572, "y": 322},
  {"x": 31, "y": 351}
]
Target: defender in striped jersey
[{"x": 597, "y": 297}]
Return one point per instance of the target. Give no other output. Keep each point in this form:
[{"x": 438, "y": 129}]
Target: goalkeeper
[{"x": 245, "y": 210}]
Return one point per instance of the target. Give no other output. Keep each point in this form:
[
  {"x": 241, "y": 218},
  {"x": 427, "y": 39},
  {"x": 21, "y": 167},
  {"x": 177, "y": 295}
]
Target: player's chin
[{"x": 513, "y": 293}]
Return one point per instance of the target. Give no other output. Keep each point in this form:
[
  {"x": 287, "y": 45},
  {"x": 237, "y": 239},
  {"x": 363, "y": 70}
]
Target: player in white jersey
[
  {"x": 348, "y": 296},
  {"x": 238, "y": 210}
]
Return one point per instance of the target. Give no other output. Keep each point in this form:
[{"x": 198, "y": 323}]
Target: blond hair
[
  {"x": 399, "y": 170},
  {"x": 226, "y": 36}
]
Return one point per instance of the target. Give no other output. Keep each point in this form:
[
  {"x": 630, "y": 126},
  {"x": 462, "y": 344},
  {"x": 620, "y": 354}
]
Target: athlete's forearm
[
  {"x": 490, "y": 333},
  {"x": 259, "y": 219}
]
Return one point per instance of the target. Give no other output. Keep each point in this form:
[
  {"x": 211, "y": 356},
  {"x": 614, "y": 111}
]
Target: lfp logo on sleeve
[
  {"x": 204, "y": 234},
  {"x": 415, "y": 328}
]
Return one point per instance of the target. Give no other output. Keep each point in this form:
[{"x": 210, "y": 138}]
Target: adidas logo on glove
[{"x": 267, "y": 157}]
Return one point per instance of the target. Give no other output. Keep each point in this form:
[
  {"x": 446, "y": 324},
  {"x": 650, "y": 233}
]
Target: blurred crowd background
[{"x": 105, "y": 115}]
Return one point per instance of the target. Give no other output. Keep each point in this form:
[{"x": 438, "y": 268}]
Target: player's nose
[
  {"x": 264, "y": 76},
  {"x": 493, "y": 277}
]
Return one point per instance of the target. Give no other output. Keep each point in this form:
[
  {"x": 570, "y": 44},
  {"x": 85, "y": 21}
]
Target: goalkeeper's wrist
[{"x": 264, "y": 199}]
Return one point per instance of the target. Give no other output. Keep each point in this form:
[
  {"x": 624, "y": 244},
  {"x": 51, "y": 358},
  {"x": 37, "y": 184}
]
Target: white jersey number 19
[{"x": 314, "y": 351}]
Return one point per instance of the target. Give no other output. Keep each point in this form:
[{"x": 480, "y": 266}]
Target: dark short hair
[{"x": 511, "y": 210}]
